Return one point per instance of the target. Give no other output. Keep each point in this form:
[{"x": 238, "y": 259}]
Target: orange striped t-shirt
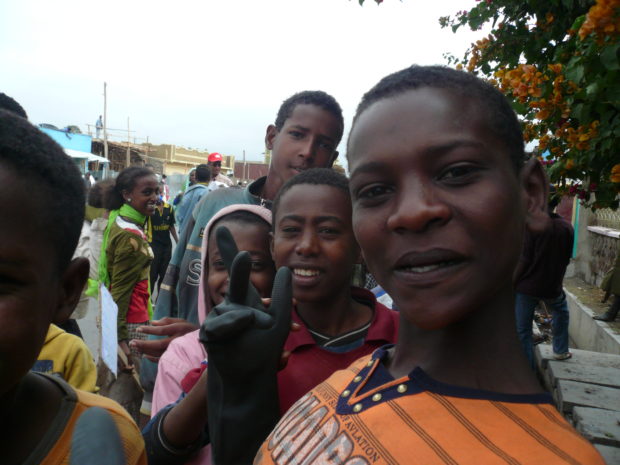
[{"x": 363, "y": 416}]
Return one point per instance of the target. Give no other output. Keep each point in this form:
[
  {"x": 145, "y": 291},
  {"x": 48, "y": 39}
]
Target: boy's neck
[
  {"x": 480, "y": 352},
  {"x": 271, "y": 187},
  {"x": 336, "y": 315},
  {"x": 26, "y": 414}
]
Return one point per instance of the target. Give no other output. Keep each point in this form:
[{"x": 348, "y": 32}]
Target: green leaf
[
  {"x": 518, "y": 107},
  {"x": 575, "y": 74},
  {"x": 609, "y": 57},
  {"x": 592, "y": 89},
  {"x": 576, "y": 111}
]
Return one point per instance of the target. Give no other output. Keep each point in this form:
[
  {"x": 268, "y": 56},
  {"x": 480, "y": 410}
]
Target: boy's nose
[
  {"x": 418, "y": 209},
  {"x": 308, "y": 149},
  {"x": 307, "y": 246}
]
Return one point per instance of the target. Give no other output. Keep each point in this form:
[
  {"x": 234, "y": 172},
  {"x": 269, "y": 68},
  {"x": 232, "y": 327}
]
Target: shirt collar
[{"x": 383, "y": 327}]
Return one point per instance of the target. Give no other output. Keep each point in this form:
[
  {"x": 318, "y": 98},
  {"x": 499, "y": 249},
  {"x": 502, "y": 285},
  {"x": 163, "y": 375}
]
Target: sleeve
[
  {"x": 97, "y": 228},
  {"x": 133, "y": 443},
  {"x": 125, "y": 269},
  {"x": 170, "y": 372},
  {"x": 159, "y": 451},
  {"x": 182, "y": 208},
  {"x": 172, "y": 219},
  {"x": 80, "y": 369}
]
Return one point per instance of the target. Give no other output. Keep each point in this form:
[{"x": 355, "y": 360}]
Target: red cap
[{"x": 215, "y": 157}]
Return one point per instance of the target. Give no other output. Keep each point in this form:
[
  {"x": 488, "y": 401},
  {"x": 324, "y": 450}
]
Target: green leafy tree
[{"x": 559, "y": 63}]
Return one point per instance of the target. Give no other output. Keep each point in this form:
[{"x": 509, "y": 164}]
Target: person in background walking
[
  {"x": 539, "y": 277},
  {"x": 193, "y": 195},
  {"x": 124, "y": 267},
  {"x": 217, "y": 178},
  {"x": 161, "y": 226}
]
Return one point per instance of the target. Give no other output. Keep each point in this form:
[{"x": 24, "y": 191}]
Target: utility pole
[
  {"x": 105, "y": 121},
  {"x": 128, "y": 144},
  {"x": 244, "y": 177}
]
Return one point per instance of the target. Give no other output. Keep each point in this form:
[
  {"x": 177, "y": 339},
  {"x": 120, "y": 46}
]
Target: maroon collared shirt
[{"x": 310, "y": 364}]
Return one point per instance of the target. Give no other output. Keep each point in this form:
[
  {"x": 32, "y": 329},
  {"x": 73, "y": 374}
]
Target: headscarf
[{"x": 204, "y": 302}]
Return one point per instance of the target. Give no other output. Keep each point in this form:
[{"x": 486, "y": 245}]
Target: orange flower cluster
[
  {"x": 476, "y": 52},
  {"x": 526, "y": 83},
  {"x": 603, "y": 19},
  {"x": 615, "y": 173},
  {"x": 578, "y": 138}
]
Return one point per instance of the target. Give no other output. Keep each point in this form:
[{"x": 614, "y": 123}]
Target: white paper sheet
[{"x": 109, "y": 335}]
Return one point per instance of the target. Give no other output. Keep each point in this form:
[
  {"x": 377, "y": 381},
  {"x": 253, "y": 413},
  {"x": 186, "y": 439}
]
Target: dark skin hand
[{"x": 153, "y": 349}]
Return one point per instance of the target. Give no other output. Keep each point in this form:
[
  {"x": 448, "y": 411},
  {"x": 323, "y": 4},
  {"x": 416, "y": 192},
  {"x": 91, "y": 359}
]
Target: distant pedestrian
[
  {"x": 193, "y": 195},
  {"x": 165, "y": 189},
  {"x": 217, "y": 178},
  {"x": 539, "y": 277},
  {"x": 161, "y": 226},
  {"x": 99, "y": 126},
  {"x": 89, "y": 179}
]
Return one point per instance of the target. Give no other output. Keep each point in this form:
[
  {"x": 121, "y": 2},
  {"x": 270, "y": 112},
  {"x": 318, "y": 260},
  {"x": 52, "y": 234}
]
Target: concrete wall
[{"x": 587, "y": 333}]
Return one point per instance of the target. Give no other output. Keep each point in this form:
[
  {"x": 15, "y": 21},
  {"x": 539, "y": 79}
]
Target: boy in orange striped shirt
[{"x": 441, "y": 194}]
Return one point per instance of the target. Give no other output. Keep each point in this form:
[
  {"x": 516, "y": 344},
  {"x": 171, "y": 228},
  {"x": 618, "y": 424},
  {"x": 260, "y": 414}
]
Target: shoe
[
  {"x": 564, "y": 356},
  {"x": 607, "y": 316}
]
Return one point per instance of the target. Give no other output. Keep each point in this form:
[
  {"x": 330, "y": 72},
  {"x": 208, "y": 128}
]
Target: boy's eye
[
  {"x": 373, "y": 191},
  {"x": 218, "y": 265},
  {"x": 289, "y": 229},
  {"x": 459, "y": 173},
  {"x": 258, "y": 265},
  {"x": 326, "y": 146},
  {"x": 328, "y": 231},
  {"x": 296, "y": 134}
]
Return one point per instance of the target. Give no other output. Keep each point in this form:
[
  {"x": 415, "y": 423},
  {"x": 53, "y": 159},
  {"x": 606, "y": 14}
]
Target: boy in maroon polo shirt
[
  {"x": 337, "y": 323},
  {"x": 313, "y": 236}
]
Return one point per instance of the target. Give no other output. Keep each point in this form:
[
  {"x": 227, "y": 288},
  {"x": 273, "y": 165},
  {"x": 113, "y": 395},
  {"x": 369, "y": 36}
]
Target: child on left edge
[
  {"x": 41, "y": 284},
  {"x": 68, "y": 357}
]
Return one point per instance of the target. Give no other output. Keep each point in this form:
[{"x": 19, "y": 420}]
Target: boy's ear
[
  {"x": 72, "y": 284},
  {"x": 536, "y": 194},
  {"x": 270, "y": 136}
]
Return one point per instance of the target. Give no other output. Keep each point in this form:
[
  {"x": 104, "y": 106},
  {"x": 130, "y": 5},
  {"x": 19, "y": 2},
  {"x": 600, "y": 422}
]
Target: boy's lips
[
  {"x": 429, "y": 265},
  {"x": 305, "y": 275}
]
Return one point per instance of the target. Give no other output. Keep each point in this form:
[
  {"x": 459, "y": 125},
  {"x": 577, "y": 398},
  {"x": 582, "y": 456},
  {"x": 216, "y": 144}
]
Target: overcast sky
[{"x": 209, "y": 74}]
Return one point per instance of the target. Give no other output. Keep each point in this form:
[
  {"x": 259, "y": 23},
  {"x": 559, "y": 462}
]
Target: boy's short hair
[
  {"x": 502, "y": 119},
  {"x": 126, "y": 180},
  {"x": 203, "y": 173},
  {"x": 55, "y": 179},
  {"x": 10, "y": 104},
  {"x": 315, "y": 177},
  {"x": 310, "y": 97}
]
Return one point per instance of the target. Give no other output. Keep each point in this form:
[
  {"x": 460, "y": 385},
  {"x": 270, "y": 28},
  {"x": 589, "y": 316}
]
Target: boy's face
[
  {"x": 314, "y": 238},
  {"x": 308, "y": 139},
  {"x": 31, "y": 291},
  {"x": 253, "y": 238},
  {"x": 437, "y": 207}
]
